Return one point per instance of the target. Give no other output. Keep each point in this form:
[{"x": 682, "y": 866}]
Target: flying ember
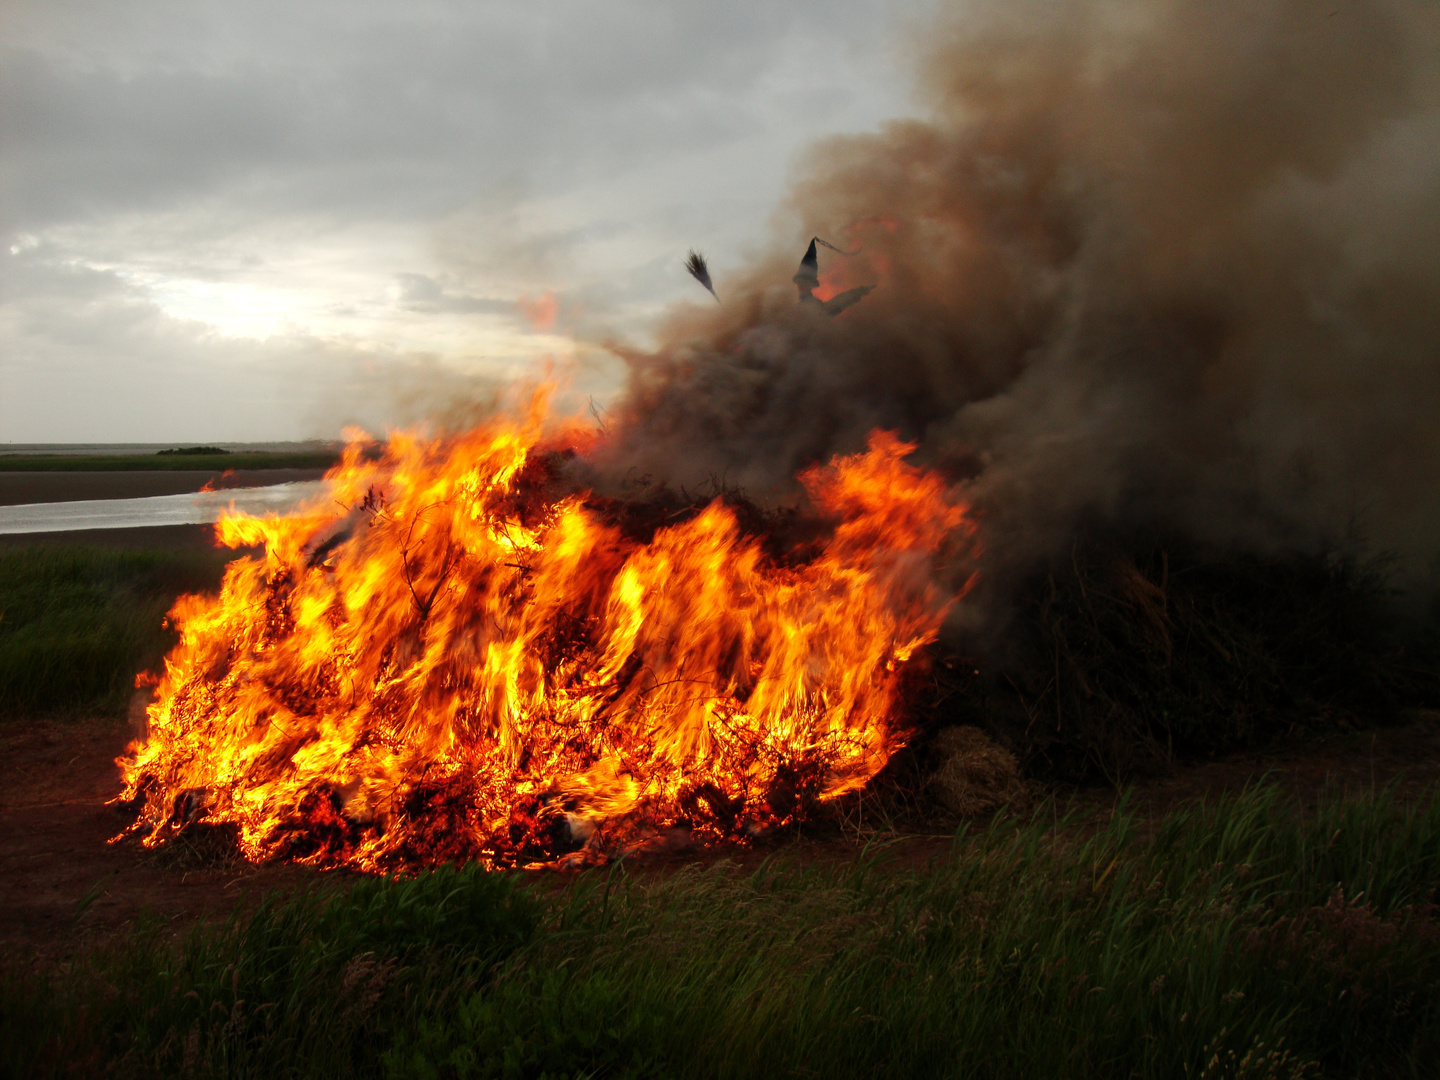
[{"x": 453, "y": 662}]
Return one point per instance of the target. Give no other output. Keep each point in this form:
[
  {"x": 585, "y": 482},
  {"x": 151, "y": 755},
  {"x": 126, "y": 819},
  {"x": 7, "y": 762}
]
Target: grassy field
[
  {"x": 1236, "y": 940},
  {"x": 322, "y": 459},
  {"x": 1240, "y": 939},
  {"x": 76, "y": 624}
]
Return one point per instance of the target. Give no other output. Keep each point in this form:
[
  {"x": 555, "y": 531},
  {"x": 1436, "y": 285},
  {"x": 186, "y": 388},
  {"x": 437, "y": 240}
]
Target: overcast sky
[{"x": 252, "y": 220}]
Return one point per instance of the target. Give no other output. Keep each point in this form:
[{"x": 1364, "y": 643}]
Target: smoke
[{"x": 1173, "y": 263}]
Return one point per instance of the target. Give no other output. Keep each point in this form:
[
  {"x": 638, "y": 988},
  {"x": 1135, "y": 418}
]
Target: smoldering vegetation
[
  {"x": 1146, "y": 271},
  {"x": 1125, "y": 657}
]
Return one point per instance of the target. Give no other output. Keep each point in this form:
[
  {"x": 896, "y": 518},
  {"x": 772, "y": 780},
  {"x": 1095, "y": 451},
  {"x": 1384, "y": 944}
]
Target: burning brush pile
[
  {"x": 459, "y": 659},
  {"x": 1156, "y": 289}
]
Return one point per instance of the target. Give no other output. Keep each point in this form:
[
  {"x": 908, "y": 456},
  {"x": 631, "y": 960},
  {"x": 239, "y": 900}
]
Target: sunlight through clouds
[{"x": 217, "y": 214}]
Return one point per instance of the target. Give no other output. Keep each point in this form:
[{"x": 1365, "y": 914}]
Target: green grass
[
  {"x": 165, "y": 461},
  {"x": 305, "y": 985},
  {"x": 77, "y": 623},
  {"x": 1229, "y": 940}
]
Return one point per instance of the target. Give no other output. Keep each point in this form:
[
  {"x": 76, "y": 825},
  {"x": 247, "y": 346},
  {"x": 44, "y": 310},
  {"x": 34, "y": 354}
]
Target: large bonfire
[{"x": 448, "y": 661}]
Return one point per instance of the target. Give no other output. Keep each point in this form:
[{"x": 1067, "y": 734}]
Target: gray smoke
[{"x": 1171, "y": 263}]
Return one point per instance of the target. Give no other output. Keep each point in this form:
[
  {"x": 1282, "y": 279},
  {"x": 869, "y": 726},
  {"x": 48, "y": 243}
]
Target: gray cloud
[
  {"x": 419, "y": 292},
  {"x": 85, "y": 353},
  {"x": 332, "y": 106},
  {"x": 89, "y": 358},
  {"x": 494, "y": 149}
]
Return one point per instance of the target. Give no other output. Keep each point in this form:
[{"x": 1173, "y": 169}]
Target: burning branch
[
  {"x": 446, "y": 565},
  {"x": 701, "y": 272}
]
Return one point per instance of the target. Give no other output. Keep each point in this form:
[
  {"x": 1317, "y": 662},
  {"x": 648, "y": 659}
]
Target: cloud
[
  {"x": 394, "y": 108},
  {"x": 306, "y": 174},
  {"x": 419, "y": 292},
  {"x": 86, "y": 357}
]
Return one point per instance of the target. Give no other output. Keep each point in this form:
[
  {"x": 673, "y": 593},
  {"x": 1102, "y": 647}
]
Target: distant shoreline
[
  {"x": 135, "y": 461},
  {"x": 106, "y": 449}
]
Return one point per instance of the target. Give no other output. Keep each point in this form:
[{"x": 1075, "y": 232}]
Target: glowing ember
[{"x": 465, "y": 667}]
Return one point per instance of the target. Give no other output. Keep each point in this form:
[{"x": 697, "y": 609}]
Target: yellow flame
[{"x": 484, "y": 671}]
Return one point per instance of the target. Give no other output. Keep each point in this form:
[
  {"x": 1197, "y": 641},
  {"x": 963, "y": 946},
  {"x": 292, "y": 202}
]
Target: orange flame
[
  {"x": 541, "y": 312},
  {"x": 463, "y": 666}
]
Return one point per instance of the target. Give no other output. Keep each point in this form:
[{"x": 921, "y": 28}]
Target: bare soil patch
[
  {"x": 62, "y": 882},
  {"x": 144, "y": 538}
]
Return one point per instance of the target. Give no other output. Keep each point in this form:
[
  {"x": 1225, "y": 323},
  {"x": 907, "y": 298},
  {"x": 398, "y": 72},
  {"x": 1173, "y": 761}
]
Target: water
[{"x": 193, "y": 508}]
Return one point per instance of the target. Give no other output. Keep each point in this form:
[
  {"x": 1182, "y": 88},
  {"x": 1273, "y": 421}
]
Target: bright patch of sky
[{"x": 265, "y": 220}]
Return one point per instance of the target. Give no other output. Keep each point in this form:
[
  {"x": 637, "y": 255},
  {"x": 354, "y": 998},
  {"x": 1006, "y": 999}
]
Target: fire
[
  {"x": 541, "y": 311},
  {"x": 457, "y": 664}
]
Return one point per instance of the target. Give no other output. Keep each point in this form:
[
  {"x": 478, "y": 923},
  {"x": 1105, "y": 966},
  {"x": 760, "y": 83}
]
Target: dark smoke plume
[{"x": 1172, "y": 263}]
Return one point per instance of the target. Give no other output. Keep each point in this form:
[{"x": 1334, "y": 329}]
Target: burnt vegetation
[{"x": 1132, "y": 654}]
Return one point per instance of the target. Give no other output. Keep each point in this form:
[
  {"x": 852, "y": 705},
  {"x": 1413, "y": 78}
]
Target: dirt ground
[
  {"x": 64, "y": 884},
  {"x": 151, "y": 538}
]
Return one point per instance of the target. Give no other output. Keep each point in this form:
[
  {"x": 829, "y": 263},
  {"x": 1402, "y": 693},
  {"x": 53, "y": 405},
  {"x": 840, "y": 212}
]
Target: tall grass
[
  {"x": 303, "y": 986},
  {"x": 1237, "y": 939},
  {"x": 76, "y": 624},
  {"x": 1233, "y": 933}
]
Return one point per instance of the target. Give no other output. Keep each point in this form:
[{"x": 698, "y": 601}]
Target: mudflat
[{"x": 19, "y": 488}]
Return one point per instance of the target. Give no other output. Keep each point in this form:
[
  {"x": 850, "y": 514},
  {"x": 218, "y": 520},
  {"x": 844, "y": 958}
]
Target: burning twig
[
  {"x": 598, "y": 414},
  {"x": 373, "y": 504},
  {"x": 325, "y": 547},
  {"x": 423, "y": 607},
  {"x": 807, "y": 280},
  {"x": 701, "y": 272}
]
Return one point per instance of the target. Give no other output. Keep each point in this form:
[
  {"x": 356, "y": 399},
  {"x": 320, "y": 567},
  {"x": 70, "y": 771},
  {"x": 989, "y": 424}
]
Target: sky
[{"x": 264, "y": 221}]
